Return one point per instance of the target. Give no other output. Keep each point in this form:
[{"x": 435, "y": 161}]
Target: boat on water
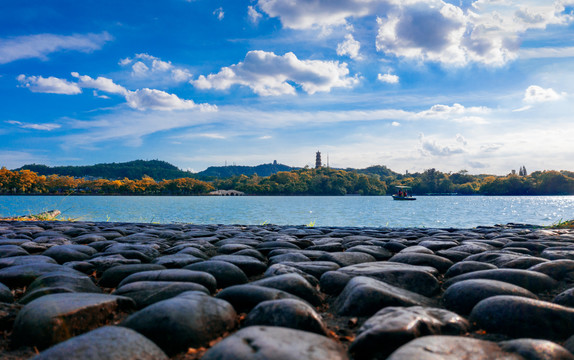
[{"x": 404, "y": 193}]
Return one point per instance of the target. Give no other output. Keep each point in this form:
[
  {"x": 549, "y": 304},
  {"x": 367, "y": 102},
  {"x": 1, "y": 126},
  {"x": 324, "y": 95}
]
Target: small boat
[{"x": 404, "y": 193}]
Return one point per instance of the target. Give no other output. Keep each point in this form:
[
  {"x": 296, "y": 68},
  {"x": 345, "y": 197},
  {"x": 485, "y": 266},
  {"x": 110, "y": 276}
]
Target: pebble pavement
[{"x": 84, "y": 290}]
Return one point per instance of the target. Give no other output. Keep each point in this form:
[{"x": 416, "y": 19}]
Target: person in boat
[{"x": 400, "y": 193}]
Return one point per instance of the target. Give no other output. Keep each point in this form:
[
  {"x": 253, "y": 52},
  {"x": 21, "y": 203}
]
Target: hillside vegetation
[{"x": 376, "y": 180}]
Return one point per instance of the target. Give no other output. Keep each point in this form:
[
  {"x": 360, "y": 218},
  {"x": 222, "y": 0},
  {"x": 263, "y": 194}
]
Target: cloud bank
[
  {"x": 268, "y": 74},
  {"x": 41, "y": 45}
]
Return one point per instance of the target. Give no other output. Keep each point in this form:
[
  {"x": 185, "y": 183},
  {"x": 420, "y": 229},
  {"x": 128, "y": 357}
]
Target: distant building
[
  {"x": 318, "y": 163},
  {"x": 227, "y": 193}
]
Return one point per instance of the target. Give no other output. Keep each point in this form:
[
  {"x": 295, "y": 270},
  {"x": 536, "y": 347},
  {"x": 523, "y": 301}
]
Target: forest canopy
[{"x": 377, "y": 180}]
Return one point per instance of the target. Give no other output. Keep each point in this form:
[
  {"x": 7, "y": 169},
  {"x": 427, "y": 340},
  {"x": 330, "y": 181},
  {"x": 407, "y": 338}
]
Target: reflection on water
[{"x": 376, "y": 211}]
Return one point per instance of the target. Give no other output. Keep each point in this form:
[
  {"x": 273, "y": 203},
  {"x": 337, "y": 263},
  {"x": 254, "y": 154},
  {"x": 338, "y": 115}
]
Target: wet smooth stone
[
  {"x": 179, "y": 275},
  {"x": 436, "y": 245},
  {"x": 108, "y": 342},
  {"x": 5, "y": 294},
  {"x": 145, "y": 293},
  {"x": 112, "y": 277},
  {"x": 249, "y": 265},
  {"x": 293, "y": 284},
  {"x": 522, "y": 317},
  {"x": 58, "y": 317},
  {"x": 245, "y": 297},
  {"x": 435, "y": 261},
  {"x": 438, "y": 347},
  {"x": 314, "y": 268},
  {"x": 530, "y": 280},
  {"x": 58, "y": 282},
  {"x": 103, "y": 263},
  {"x": 23, "y": 275},
  {"x": 417, "y": 249},
  {"x": 565, "y": 298},
  {"x": 232, "y": 248},
  {"x": 536, "y": 349},
  {"x": 558, "y": 254},
  {"x": 252, "y": 253},
  {"x": 347, "y": 258},
  {"x": 311, "y": 254},
  {"x": 524, "y": 262},
  {"x": 328, "y": 247},
  {"x": 379, "y": 253},
  {"x": 25, "y": 260},
  {"x": 292, "y": 257},
  {"x": 419, "y": 279},
  {"x": 556, "y": 269},
  {"x": 288, "y": 313},
  {"x": 65, "y": 253},
  {"x": 393, "y": 327},
  {"x": 226, "y": 274},
  {"x": 191, "y": 319},
  {"x": 280, "y": 269},
  {"x": 494, "y": 257},
  {"x": 266, "y": 342},
  {"x": 176, "y": 261},
  {"x": 464, "y": 267},
  {"x": 333, "y": 282},
  {"x": 194, "y": 252},
  {"x": 87, "y": 238},
  {"x": 12, "y": 250},
  {"x": 452, "y": 255},
  {"x": 148, "y": 250},
  {"x": 464, "y": 295},
  {"x": 266, "y": 247},
  {"x": 364, "y": 296}
]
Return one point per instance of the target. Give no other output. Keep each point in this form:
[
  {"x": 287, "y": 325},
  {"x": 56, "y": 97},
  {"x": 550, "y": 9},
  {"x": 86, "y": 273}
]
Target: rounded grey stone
[
  {"x": 108, "y": 342},
  {"x": 266, "y": 342}
]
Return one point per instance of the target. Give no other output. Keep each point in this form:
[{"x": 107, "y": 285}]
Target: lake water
[{"x": 375, "y": 211}]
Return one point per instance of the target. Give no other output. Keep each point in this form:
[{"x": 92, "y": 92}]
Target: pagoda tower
[{"x": 318, "y": 160}]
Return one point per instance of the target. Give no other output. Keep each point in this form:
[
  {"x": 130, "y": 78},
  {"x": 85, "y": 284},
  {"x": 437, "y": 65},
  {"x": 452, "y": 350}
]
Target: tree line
[{"x": 306, "y": 181}]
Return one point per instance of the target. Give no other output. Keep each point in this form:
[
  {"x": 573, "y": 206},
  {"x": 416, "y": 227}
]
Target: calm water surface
[{"x": 426, "y": 211}]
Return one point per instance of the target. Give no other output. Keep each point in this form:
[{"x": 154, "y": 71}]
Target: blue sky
[{"x": 481, "y": 85}]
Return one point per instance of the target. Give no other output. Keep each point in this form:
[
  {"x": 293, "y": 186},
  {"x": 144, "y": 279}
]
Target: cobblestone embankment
[{"x": 75, "y": 290}]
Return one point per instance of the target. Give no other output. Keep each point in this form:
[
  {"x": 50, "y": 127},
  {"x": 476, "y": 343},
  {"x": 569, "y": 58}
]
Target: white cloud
[
  {"x": 40, "y": 45},
  {"x": 101, "y": 83},
  {"x": 536, "y": 94},
  {"x": 305, "y": 14},
  {"x": 144, "y": 99},
  {"x": 446, "y": 111},
  {"x": 388, "y": 78},
  {"x": 50, "y": 85},
  {"x": 484, "y": 31},
  {"x": 269, "y": 74},
  {"x": 349, "y": 47},
  {"x": 140, "y": 69},
  {"x": 396, "y": 123},
  {"x": 265, "y": 137},
  {"x": 219, "y": 13},
  {"x": 546, "y": 52},
  {"x": 141, "y": 99},
  {"x": 151, "y": 67},
  {"x": 45, "y": 127},
  {"x": 253, "y": 15},
  {"x": 432, "y": 148}
]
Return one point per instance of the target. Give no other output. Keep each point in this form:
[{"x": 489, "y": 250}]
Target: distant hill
[
  {"x": 156, "y": 169},
  {"x": 380, "y": 170},
  {"x": 160, "y": 170},
  {"x": 235, "y": 170}
]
